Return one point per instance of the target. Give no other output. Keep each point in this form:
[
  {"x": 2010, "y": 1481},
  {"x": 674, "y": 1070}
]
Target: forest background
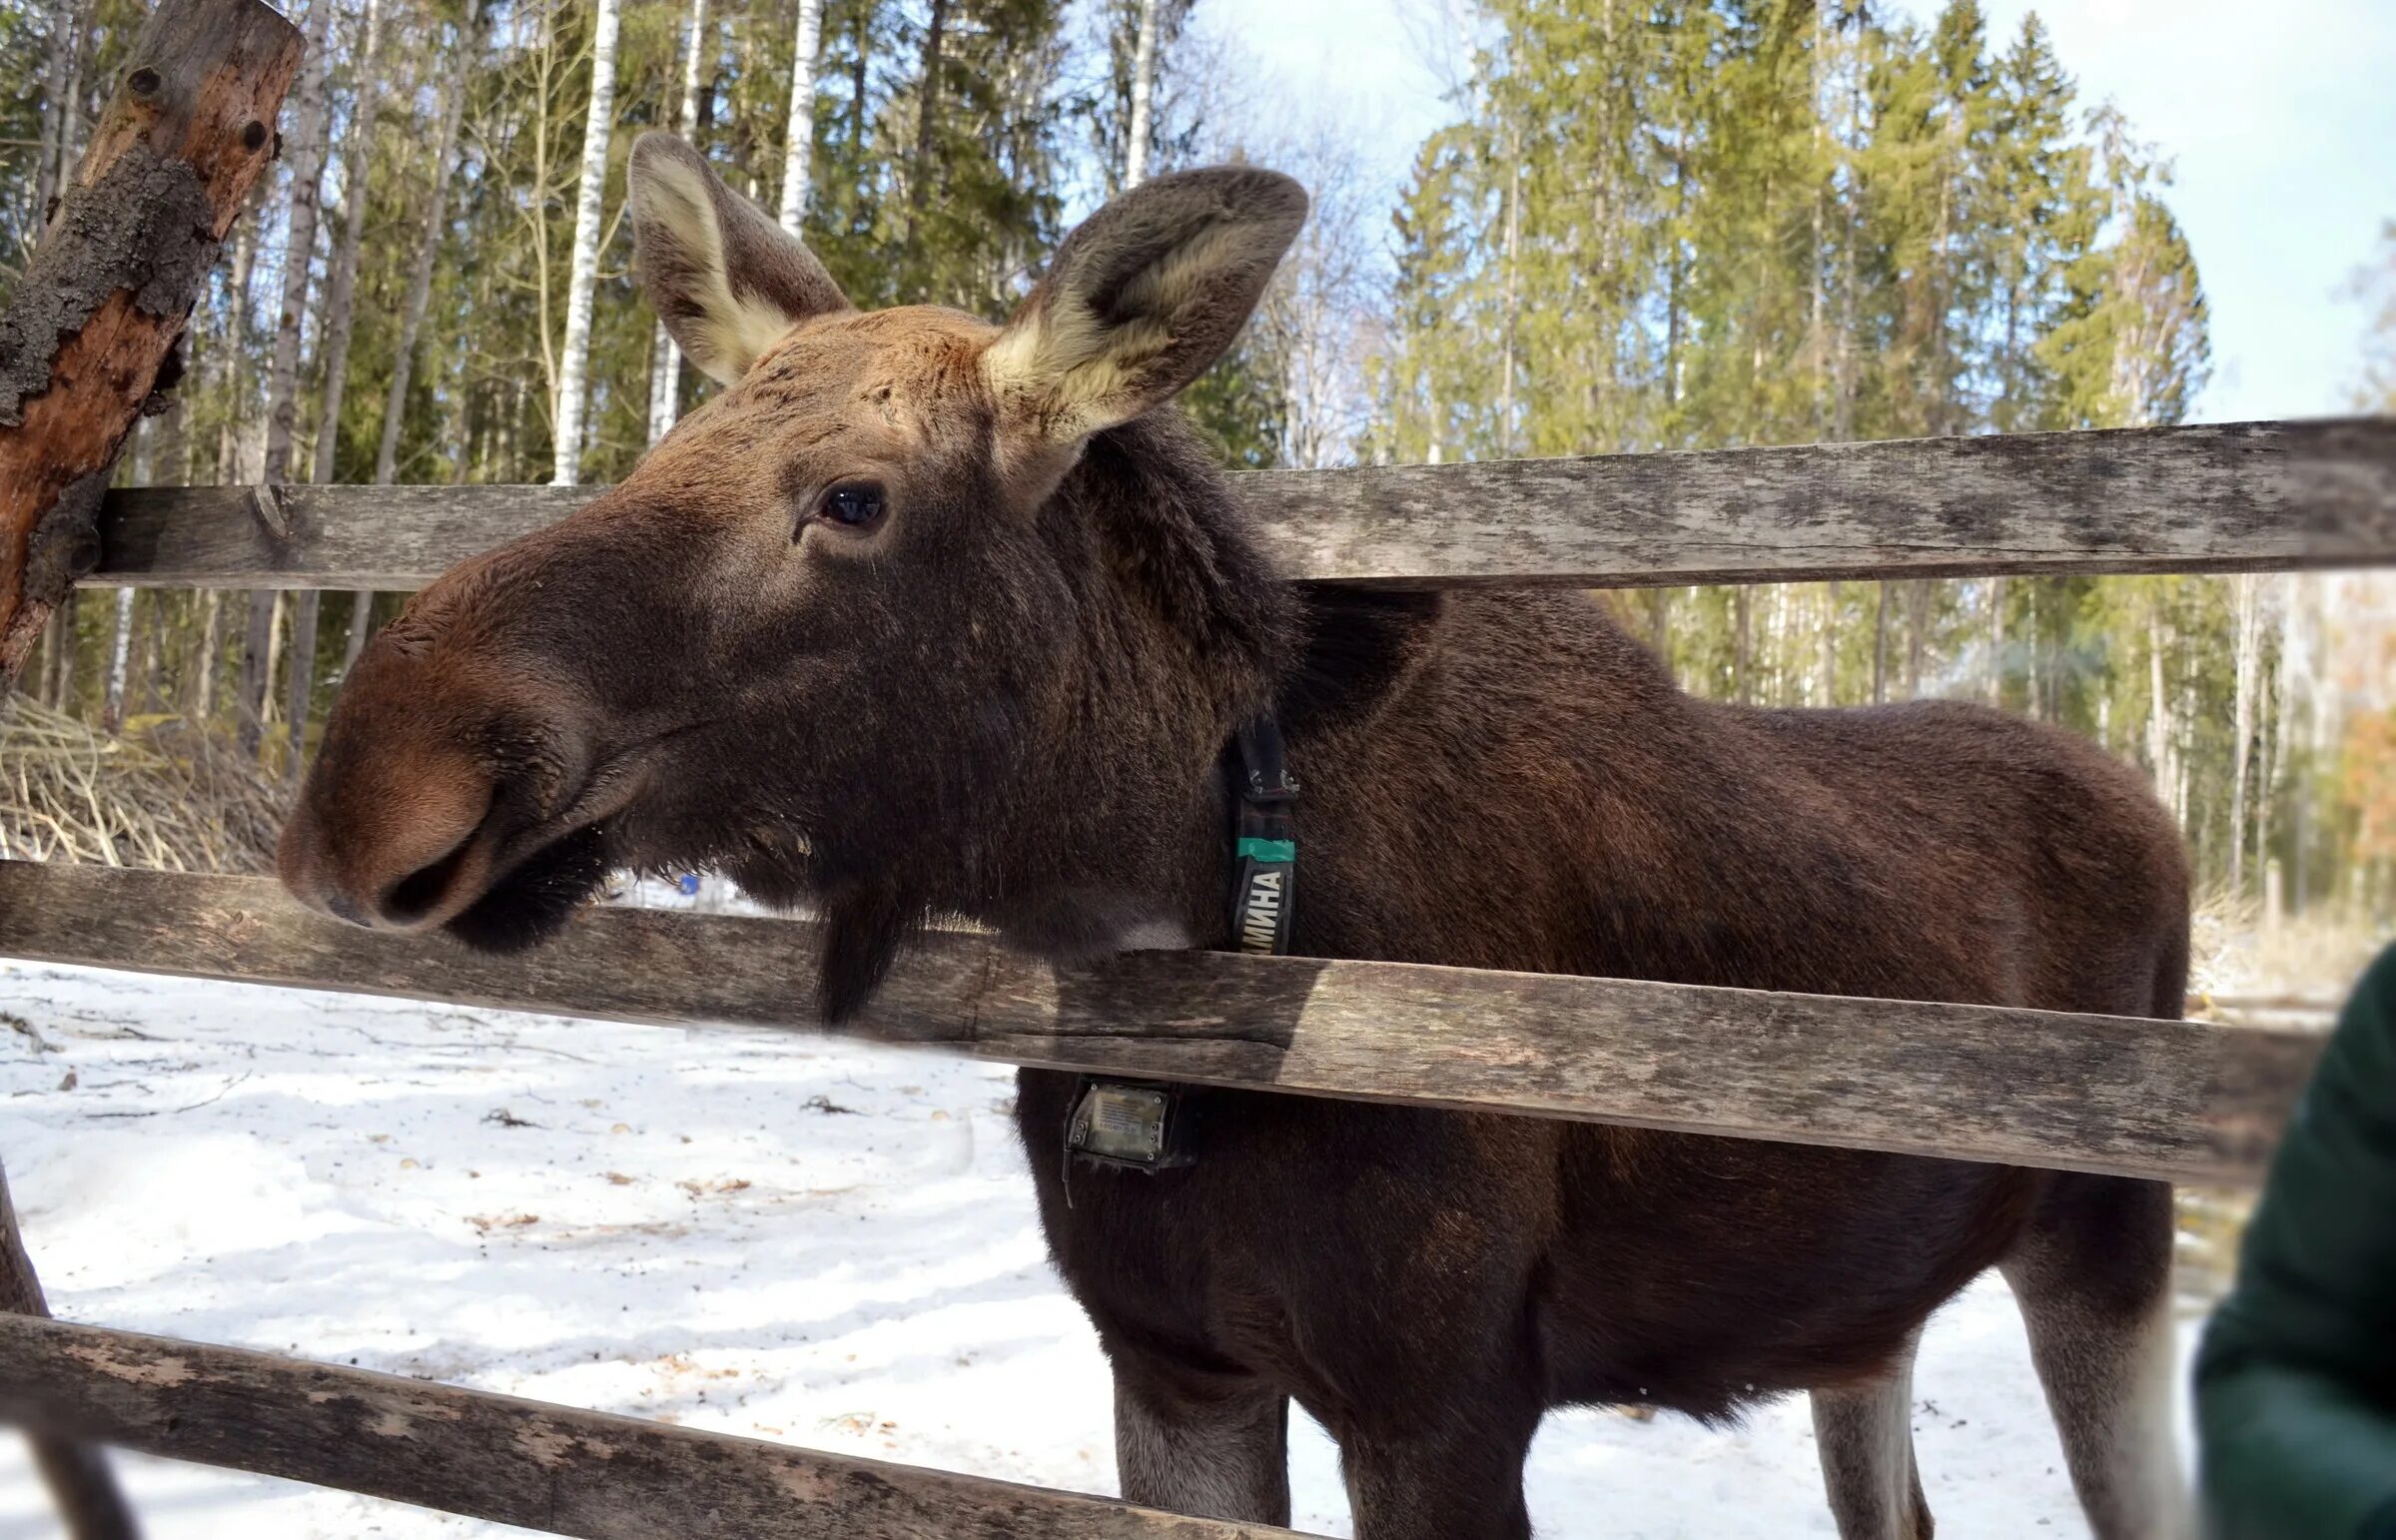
[{"x": 1664, "y": 225}]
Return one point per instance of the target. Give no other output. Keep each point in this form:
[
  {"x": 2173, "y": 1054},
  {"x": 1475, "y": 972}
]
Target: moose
[{"x": 922, "y": 616}]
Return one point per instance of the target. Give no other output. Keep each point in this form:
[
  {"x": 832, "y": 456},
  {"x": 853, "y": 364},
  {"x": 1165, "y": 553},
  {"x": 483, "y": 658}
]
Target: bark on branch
[{"x": 88, "y": 341}]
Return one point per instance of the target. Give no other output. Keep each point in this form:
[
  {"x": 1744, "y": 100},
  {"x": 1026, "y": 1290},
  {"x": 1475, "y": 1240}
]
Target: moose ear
[
  {"x": 726, "y": 280},
  {"x": 1141, "y": 298}
]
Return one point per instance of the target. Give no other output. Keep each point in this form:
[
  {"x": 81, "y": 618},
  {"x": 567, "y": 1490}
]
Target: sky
[{"x": 2280, "y": 122}]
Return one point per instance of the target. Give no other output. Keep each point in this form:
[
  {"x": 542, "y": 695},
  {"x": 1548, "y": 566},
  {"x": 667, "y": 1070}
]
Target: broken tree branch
[{"x": 87, "y": 340}]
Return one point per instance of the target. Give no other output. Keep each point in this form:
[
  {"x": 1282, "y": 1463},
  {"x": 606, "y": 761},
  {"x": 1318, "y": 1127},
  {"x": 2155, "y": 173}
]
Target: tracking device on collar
[
  {"x": 1127, "y": 1124},
  {"x": 1138, "y": 1124}
]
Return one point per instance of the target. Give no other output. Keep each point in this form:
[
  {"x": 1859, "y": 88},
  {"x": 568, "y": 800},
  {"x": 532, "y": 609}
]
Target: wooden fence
[{"x": 2139, "y": 1098}]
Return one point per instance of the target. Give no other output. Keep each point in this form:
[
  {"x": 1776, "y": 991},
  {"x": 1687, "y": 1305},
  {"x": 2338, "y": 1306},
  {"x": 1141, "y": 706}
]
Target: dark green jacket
[{"x": 2296, "y": 1381}]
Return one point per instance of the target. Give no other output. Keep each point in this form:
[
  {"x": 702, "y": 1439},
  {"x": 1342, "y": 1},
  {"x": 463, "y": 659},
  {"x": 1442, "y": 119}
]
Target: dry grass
[
  {"x": 161, "y": 795},
  {"x": 2290, "y": 971}
]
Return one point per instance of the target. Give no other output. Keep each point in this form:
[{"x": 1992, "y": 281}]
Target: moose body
[
  {"x": 1527, "y": 789},
  {"x": 922, "y": 615}
]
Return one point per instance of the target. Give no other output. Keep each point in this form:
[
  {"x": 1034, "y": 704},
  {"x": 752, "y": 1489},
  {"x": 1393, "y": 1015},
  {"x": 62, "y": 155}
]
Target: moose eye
[{"x": 854, "y": 505}]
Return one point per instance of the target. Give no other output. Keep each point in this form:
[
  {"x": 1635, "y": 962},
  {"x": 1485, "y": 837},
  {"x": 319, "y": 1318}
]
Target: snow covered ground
[{"x": 771, "y": 1234}]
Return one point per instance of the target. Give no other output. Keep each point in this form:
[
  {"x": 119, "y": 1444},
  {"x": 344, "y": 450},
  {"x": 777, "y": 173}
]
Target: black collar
[
  {"x": 1140, "y": 1125},
  {"x": 1264, "y": 852}
]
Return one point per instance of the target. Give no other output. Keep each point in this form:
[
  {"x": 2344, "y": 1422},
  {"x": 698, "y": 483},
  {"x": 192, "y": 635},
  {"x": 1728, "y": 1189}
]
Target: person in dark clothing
[{"x": 2296, "y": 1381}]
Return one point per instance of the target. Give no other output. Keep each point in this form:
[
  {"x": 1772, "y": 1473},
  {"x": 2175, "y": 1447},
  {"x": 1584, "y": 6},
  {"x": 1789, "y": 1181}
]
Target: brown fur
[{"x": 1008, "y": 700}]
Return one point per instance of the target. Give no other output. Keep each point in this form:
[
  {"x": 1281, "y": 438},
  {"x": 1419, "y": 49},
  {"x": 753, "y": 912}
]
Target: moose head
[{"x": 919, "y": 615}]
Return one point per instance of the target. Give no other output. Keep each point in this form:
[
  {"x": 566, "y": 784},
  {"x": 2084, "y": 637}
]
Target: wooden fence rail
[
  {"x": 553, "y": 1468},
  {"x": 2177, "y": 1100},
  {"x": 2164, "y": 1099},
  {"x": 2248, "y": 497}
]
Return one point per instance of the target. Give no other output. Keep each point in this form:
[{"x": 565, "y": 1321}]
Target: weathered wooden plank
[
  {"x": 2170, "y": 1099},
  {"x": 2254, "y": 496},
  {"x": 498, "y": 1457}
]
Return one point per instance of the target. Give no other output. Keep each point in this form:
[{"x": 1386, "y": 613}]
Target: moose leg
[
  {"x": 2094, "y": 1278},
  {"x": 1206, "y": 1449},
  {"x": 1457, "y": 1479},
  {"x": 1864, "y": 1435}
]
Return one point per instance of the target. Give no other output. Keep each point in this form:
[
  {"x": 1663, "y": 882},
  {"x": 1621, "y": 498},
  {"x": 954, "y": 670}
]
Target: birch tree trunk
[
  {"x": 58, "y": 689},
  {"x": 420, "y": 278},
  {"x": 1143, "y": 88},
  {"x": 57, "y": 107},
  {"x": 2301, "y": 600},
  {"x": 307, "y": 150},
  {"x": 2159, "y": 709},
  {"x": 1917, "y": 632},
  {"x": 573, "y": 367},
  {"x": 70, "y": 97},
  {"x": 230, "y": 353},
  {"x": 2247, "y": 608},
  {"x": 799, "y": 140},
  {"x": 1830, "y": 647},
  {"x": 1742, "y": 625},
  {"x": 2272, "y": 743},
  {"x": 120, "y": 656},
  {"x": 1880, "y": 643},
  {"x": 341, "y": 282},
  {"x": 202, "y": 702},
  {"x": 1995, "y": 671},
  {"x": 149, "y": 656},
  {"x": 258, "y": 642},
  {"x": 300, "y": 678},
  {"x": 665, "y": 365},
  {"x": 340, "y": 288}
]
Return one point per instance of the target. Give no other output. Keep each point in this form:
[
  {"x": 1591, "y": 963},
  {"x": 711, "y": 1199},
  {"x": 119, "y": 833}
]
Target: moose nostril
[{"x": 421, "y": 892}]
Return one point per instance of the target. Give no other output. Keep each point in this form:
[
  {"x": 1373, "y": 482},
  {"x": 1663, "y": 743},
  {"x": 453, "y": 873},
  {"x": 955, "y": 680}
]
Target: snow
[{"x": 772, "y": 1234}]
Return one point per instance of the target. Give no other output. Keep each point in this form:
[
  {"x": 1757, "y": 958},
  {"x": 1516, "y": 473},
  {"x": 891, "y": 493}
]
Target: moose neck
[{"x": 1114, "y": 835}]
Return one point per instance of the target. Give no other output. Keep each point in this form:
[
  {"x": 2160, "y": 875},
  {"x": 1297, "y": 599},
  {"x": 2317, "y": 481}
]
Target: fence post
[
  {"x": 79, "y": 1479},
  {"x": 87, "y": 343}
]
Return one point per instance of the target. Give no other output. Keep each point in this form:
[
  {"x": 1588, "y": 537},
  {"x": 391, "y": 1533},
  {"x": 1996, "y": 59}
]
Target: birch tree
[
  {"x": 340, "y": 294},
  {"x": 224, "y": 361},
  {"x": 573, "y": 366},
  {"x": 665, "y": 357},
  {"x": 58, "y": 107},
  {"x": 340, "y": 283},
  {"x": 799, "y": 139},
  {"x": 66, "y": 98},
  {"x": 1144, "y": 91},
  {"x": 283, "y": 383},
  {"x": 307, "y": 150},
  {"x": 2246, "y": 590},
  {"x": 2161, "y": 740},
  {"x": 119, "y": 654}
]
